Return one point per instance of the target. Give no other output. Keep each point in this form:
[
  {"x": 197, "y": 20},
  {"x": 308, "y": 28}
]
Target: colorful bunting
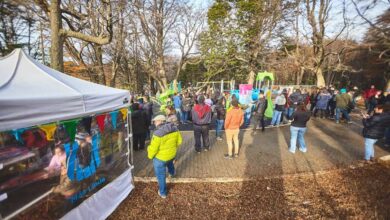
[
  {"x": 70, "y": 127},
  {"x": 49, "y": 130},
  {"x": 17, "y": 133},
  {"x": 124, "y": 113},
  {"x": 114, "y": 116},
  {"x": 100, "y": 121}
]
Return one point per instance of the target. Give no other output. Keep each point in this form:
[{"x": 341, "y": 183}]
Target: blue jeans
[
  {"x": 342, "y": 111},
  {"x": 247, "y": 118},
  {"x": 297, "y": 133},
  {"x": 290, "y": 111},
  {"x": 369, "y": 148},
  {"x": 276, "y": 117},
  {"x": 179, "y": 114},
  {"x": 160, "y": 168},
  {"x": 219, "y": 127},
  {"x": 184, "y": 116}
]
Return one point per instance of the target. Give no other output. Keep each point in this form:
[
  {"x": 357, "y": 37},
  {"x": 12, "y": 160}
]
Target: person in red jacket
[{"x": 368, "y": 93}]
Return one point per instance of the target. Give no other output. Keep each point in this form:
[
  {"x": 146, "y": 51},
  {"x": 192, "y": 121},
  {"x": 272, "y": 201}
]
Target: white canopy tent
[{"x": 34, "y": 94}]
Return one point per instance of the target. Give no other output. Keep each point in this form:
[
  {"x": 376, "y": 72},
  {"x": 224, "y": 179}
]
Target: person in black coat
[
  {"x": 261, "y": 106},
  {"x": 374, "y": 128},
  {"x": 139, "y": 123}
]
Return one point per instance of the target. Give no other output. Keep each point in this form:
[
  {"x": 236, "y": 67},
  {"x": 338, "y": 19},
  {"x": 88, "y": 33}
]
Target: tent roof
[{"x": 33, "y": 94}]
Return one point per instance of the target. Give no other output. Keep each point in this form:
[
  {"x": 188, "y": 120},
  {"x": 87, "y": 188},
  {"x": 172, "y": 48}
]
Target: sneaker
[
  {"x": 235, "y": 155},
  {"x": 197, "y": 151},
  {"x": 349, "y": 122},
  {"x": 303, "y": 151},
  {"x": 293, "y": 152},
  {"x": 219, "y": 139},
  {"x": 337, "y": 122},
  {"x": 162, "y": 196},
  {"x": 206, "y": 149},
  {"x": 228, "y": 157}
]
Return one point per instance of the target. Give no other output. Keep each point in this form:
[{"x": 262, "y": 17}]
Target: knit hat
[{"x": 343, "y": 90}]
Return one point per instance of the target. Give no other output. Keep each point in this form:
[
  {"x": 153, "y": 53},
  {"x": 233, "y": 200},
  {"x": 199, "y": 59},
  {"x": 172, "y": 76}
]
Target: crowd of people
[{"x": 292, "y": 107}]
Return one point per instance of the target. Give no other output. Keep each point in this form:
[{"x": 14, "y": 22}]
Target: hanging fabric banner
[
  {"x": 124, "y": 113},
  {"x": 49, "y": 130},
  {"x": 70, "y": 127},
  {"x": 18, "y": 134},
  {"x": 114, "y": 116},
  {"x": 100, "y": 121}
]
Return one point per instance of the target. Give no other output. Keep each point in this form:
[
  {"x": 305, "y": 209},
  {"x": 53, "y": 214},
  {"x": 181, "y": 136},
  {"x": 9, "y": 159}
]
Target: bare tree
[
  {"x": 317, "y": 15},
  {"x": 68, "y": 19},
  {"x": 155, "y": 22},
  {"x": 191, "y": 23}
]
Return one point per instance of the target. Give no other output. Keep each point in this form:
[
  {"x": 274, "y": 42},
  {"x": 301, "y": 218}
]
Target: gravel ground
[{"x": 361, "y": 192}]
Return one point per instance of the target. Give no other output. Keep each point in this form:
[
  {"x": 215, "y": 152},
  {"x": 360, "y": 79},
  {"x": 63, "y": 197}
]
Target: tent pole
[{"x": 130, "y": 139}]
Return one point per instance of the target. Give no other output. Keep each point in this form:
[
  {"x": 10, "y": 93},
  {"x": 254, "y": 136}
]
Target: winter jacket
[
  {"x": 261, "y": 106},
  {"x": 300, "y": 118},
  {"x": 165, "y": 141},
  {"x": 323, "y": 100},
  {"x": 313, "y": 98},
  {"x": 280, "y": 102},
  {"x": 234, "y": 118},
  {"x": 294, "y": 99},
  {"x": 139, "y": 122},
  {"x": 375, "y": 126},
  {"x": 221, "y": 111},
  {"x": 148, "y": 107},
  {"x": 177, "y": 102},
  {"x": 187, "y": 104},
  {"x": 201, "y": 114},
  {"x": 343, "y": 100}
]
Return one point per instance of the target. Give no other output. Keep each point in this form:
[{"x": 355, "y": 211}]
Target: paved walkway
[{"x": 330, "y": 146}]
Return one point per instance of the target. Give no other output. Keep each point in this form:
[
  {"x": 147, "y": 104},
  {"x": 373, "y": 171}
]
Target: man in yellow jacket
[{"x": 162, "y": 150}]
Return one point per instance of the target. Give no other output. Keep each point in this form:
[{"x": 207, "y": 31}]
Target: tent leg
[{"x": 130, "y": 140}]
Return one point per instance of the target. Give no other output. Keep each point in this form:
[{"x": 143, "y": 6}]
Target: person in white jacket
[{"x": 280, "y": 102}]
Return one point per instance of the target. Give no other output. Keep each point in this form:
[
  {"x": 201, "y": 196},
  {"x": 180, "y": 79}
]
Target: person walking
[
  {"x": 298, "y": 128},
  {"x": 139, "y": 124},
  {"x": 221, "y": 112},
  {"x": 177, "y": 104},
  {"x": 343, "y": 101},
  {"x": 162, "y": 150},
  {"x": 322, "y": 103},
  {"x": 280, "y": 102},
  {"x": 375, "y": 128},
  {"x": 261, "y": 106},
  {"x": 234, "y": 120},
  {"x": 201, "y": 118}
]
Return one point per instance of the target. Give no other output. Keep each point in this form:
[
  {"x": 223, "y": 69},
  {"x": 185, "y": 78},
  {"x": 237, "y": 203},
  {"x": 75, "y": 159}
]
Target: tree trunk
[
  {"x": 320, "y": 78},
  {"x": 57, "y": 41},
  {"x": 99, "y": 57},
  {"x": 251, "y": 77}
]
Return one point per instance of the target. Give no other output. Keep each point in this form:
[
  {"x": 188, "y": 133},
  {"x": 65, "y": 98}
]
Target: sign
[{"x": 245, "y": 97}]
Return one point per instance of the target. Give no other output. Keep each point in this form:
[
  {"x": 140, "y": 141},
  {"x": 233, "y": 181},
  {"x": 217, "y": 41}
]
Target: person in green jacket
[{"x": 162, "y": 150}]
